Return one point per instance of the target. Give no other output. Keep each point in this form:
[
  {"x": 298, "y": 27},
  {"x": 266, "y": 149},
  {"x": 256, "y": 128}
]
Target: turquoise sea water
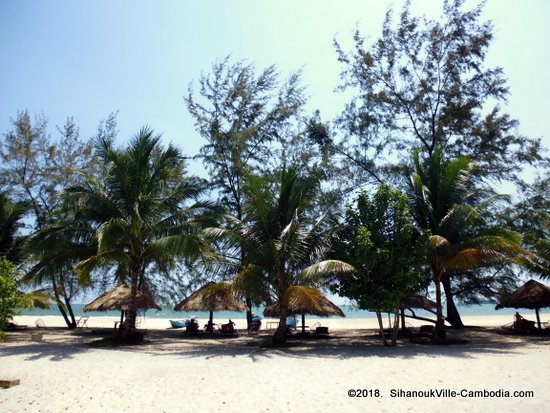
[{"x": 349, "y": 311}]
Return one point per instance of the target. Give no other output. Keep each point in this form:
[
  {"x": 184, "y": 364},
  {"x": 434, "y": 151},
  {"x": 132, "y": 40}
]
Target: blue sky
[{"x": 88, "y": 58}]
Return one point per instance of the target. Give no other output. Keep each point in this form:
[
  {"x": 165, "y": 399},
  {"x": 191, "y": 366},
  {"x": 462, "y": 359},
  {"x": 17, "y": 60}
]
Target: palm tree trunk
[
  {"x": 453, "y": 317},
  {"x": 71, "y": 312},
  {"x": 60, "y": 304},
  {"x": 280, "y": 334},
  {"x": 248, "y": 312},
  {"x": 131, "y": 313}
]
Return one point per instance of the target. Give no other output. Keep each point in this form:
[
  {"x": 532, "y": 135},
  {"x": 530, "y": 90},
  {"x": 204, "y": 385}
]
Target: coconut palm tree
[
  {"x": 444, "y": 204},
  {"x": 143, "y": 213},
  {"x": 52, "y": 253},
  {"x": 283, "y": 247}
]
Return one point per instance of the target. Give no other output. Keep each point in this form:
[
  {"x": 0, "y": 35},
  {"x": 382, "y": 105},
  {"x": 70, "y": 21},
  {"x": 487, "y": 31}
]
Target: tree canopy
[
  {"x": 425, "y": 83},
  {"x": 379, "y": 239}
]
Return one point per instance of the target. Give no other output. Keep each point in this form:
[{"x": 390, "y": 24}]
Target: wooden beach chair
[
  {"x": 81, "y": 322},
  {"x": 228, "y": 329}
]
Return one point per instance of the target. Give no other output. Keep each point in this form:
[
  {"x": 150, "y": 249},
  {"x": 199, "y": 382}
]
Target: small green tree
[
  {"x": 378, "y": 238},
  {"x": 10, "y": 299}
]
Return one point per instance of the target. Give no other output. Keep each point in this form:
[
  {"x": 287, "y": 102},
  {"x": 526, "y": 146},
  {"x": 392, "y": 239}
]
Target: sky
[{"x": 86, "y": 59}]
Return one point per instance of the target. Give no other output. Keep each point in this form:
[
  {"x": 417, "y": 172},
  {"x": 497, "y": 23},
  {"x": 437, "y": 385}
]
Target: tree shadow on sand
[{"x": 61, "y": 344}]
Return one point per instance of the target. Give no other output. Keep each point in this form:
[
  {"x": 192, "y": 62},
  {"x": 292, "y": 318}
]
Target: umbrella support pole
[
  {"x": 538, "y": 319},
  {"x": 303, "y": 324}
]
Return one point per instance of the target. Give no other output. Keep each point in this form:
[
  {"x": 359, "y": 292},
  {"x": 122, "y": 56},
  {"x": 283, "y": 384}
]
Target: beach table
[{"x": 271, "y": 325}]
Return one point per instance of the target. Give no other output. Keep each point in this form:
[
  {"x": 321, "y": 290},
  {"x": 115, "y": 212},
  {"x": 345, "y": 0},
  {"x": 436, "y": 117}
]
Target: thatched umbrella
[
  {"x": 305, "y": 300},
  {"x": 119, "y": 299},
  {"x": 416, "y": 301},
  {"x": 532, "y": 295},
  {"x": 212, "y": 297}
]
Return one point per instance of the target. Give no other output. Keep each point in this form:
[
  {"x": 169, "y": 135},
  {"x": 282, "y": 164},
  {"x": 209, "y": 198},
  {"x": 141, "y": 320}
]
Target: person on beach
[
  {"x": 521, "y": 323},
  {"x": 256, "y": 323}
]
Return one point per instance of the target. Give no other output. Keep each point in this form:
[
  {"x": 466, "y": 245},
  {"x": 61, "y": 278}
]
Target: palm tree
[
  {"x": 141, "y": 213},
  {"x": 444, "y": 204},
  {"x": 282, "y": 248},
  {"x": 53, "y": 251}
]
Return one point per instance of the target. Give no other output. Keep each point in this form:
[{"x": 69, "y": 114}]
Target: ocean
[{"x": 349, "y": 311}]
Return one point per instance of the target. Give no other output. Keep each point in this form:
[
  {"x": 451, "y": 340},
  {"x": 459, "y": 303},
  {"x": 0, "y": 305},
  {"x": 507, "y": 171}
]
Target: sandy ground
[{"x": 172, "y": 372}]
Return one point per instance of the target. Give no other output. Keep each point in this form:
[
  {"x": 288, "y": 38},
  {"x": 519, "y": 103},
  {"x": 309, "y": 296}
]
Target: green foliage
[
  {"x": 453, "y": 215},
  {"x": 425, "y": 83},
  {"x": 284, "y": 248},
  {"x": 36, "y": 166},
  {"x": 244, "y": 118},
  {"x": 143, "y": 214},
  {"x": 530, "y": 215},
  {"x": 11, "y": 215},
  {"x": 378, "y": 238},
  {"x": 10, "y": 299}
]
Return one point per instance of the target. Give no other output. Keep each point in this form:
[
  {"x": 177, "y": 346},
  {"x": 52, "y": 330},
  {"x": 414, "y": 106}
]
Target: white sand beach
[{"x": 174, "y": 373}]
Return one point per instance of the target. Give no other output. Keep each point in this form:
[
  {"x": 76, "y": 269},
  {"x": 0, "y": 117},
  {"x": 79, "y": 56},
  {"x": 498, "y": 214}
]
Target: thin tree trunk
[
  {"x": 395, "y": 327},
  {"x": 453, "y": 317},
  {"x": 440, "y": 323},
  {"x": 381, "y": 325},
  {"x": 248, "y": 300}
]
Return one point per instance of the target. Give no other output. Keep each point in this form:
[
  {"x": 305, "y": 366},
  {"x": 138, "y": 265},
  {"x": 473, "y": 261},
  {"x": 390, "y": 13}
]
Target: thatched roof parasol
[
  {"x": 119, "y": 299},
  {"x": 532, "y": 295},
  {"x": 418, "y": 301},
  {"x": 305, "y": 300},
  {"x": 212, "y": 297}
]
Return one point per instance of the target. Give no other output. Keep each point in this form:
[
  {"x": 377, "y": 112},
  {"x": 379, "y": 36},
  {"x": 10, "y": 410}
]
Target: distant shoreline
[
  {"x": 349, "y": 310},
  {"x": 155, "y": 323}
]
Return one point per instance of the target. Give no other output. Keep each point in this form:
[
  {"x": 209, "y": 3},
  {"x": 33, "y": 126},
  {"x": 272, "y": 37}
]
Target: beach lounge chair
[
  {"x": 423, "y": 335},
  {"x": 192, "y": 326},
  {"x": 14, "y": 327},
  {"x": 255, "y": 325},
  {"x": 228, "y": 329},
  {"x": 81, "y": 322},
  {"x": 520, "y": 325},
  {"x": 318, "y": 330}
]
